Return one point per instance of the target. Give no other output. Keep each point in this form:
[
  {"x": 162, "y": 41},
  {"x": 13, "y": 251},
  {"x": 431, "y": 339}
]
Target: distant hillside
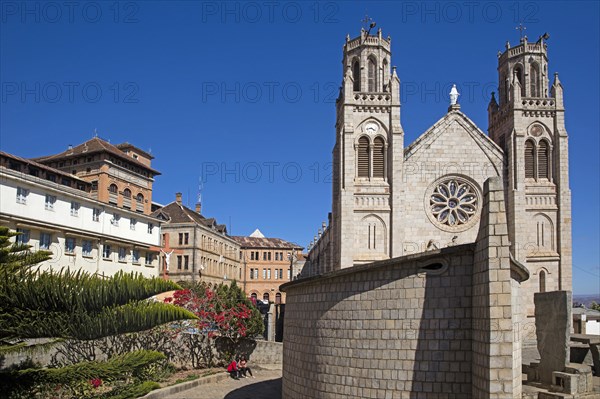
[{"x": 586, "y": 299}]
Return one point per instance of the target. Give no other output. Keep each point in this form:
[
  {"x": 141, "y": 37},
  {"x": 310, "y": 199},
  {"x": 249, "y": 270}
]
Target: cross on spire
[
  {"x": 366, "y": 22},
  {"x": 521, "y": 28}
]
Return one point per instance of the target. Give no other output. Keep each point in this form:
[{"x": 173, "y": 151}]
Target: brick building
[
  {"x": 202, "y": 250},
  {"x": 120, "y": 175},
  {"x": 267, "y": 263}
]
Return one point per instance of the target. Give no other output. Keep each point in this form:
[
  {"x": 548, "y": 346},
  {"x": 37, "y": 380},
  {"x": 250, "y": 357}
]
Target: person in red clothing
[{"x": 233, "y": 370}]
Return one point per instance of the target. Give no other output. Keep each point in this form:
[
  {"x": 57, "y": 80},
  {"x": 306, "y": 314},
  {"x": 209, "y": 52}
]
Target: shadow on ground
[{"x": 270, "y": 389}]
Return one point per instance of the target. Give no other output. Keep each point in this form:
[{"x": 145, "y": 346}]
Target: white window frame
[
  {"x": 24, "y": 237},
  {"x": 115, "y": 219},
  {"x": 135, "y": 256},
  {"x": 49, "y": 202},
  {"x": 106, "y": 254},
  {"x": 75, "y": 208},
  {"x": 132, "y": 223},
  {"x": 149, "y": 258},
  {"x": 150, "y": 228},
  {"x": 22, "y": 194},
  {"x": 70, "y": 251},
  {"x": 43, "y": 244},
  {"x": 96, "y": 214},
  {"x": 122, "y": 254},
  {"x": 84, "y": 245}
]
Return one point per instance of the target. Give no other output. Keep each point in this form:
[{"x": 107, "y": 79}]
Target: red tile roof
[
  {"x": 42, "y": 166},
  {"x": 95, "y": 145},
  {"x": 178, "y": 213},
  {"x": 264, "y": 242}
]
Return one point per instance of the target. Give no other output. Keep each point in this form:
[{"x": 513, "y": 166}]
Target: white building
[{"x": 55, "y": 211}]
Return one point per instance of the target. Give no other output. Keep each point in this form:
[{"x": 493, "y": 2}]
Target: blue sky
[{"x": 241, "y": 94}]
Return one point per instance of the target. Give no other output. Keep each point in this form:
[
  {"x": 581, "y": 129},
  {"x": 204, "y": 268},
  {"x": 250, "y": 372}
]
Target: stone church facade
[{"x": 392, "y": 199}]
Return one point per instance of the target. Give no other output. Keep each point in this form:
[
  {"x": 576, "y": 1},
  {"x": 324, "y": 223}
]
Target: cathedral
[{"x": 392, "y": 199}]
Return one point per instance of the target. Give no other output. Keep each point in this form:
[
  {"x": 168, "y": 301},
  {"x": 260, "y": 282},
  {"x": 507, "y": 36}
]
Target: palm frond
[{"x": 85, "y": 325}]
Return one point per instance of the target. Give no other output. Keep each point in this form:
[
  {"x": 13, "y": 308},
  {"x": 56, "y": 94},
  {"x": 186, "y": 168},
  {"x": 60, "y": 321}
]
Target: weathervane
[
  {"x": 521, "y": 28},
  {"x": 368, "y": 22}
]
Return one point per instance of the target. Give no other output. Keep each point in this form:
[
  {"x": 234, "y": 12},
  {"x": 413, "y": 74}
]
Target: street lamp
[{"x": 292, "y": 259}]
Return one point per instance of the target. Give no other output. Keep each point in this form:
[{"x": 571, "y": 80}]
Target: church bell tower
[
  {"x": 527, "y": 122},
  {"x": 367, "y": 155}
]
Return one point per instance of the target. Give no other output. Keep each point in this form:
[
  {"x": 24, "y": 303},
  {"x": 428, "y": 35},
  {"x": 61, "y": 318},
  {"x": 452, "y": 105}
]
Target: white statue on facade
[
  {"x": 167, "y": 258},
  {"x": 454, "y": 95}
]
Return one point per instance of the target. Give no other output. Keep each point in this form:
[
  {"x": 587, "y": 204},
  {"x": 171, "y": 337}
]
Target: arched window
[
  {"x": 534, "y": 77},
  {"x": 519, "y": 73},
  {"x": 356, "y": 75},
  {"x": 505, "y": 84},
  {"x": 139, "y": 198},
  {"x": 385, "y": 75},
  {"x": 378, "y": 158},
  {"x": 278, "y": 298},
  {"x": 127, "y": 193},
  {"x": 363, "y": 157},
  {"x": 253, "y": 295},
  {"x": 113, "y": 188},
  {"x": 542, "y": 281},
  {"x": 543, "y": 165},
  {"x": 372, "y": 75},
  {"x": 529, "y": 160},
  {"x": 266, "y": 296}
]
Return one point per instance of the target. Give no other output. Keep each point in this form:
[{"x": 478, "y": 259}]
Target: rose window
[{"x": 453, "y": 202}]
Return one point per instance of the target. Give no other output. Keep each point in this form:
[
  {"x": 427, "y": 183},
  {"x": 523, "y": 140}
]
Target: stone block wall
[
  {"x": 387, "y": 329},
  {"x": 496, "y": 347}
]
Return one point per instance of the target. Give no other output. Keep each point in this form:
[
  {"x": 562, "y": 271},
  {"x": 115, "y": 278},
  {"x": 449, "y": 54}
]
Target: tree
[
  {"x": 222, "y": 312},
  {"x": 39, "y": 303},
  {"x": 595, "y": 306}
]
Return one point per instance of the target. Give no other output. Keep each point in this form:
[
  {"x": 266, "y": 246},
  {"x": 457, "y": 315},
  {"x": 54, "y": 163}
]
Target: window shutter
[
  {"x": 363, "y": 157},
  {"x": 372, "y": 71},
  {"x": 543, "y": 160},
  {"x": 378, "y": 158},
  {"x": 529, "y": 160},
  {"x": 356, "y": 75}
]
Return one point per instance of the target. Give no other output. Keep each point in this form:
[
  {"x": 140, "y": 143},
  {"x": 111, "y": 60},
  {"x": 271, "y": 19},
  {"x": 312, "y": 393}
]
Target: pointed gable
[{"x": 456, "y": 133}]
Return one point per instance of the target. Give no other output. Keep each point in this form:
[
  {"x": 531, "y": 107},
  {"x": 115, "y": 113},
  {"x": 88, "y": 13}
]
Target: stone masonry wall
[
  {"x": 383, "y": 330},
  {"x": 495, "y": 345}
]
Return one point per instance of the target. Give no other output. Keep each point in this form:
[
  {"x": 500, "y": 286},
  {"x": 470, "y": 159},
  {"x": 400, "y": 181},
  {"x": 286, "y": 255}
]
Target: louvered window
[
  {"x": 372, "y": 75},
  {"x": 543, "y": 161},
  {"x": 378, "y": 158},
  {"x": 534, "y": 77},
  {"x": 529, "y": 160},
  {"x": 363, "y": 157},
  {"x": 356, "y": 75}
]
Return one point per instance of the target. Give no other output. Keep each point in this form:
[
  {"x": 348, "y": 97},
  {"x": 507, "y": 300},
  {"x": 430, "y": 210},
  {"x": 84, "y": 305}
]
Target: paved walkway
[{"x": 266, "y": 385}]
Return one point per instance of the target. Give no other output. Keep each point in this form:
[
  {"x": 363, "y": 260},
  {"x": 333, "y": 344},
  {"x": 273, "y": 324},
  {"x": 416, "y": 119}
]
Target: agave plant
[{"x": 40, "y": 303}]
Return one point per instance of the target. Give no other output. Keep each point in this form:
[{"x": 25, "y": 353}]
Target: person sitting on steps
[
  {"x": 243, "y": 367},
  {"x": 233, "y": 370}
]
